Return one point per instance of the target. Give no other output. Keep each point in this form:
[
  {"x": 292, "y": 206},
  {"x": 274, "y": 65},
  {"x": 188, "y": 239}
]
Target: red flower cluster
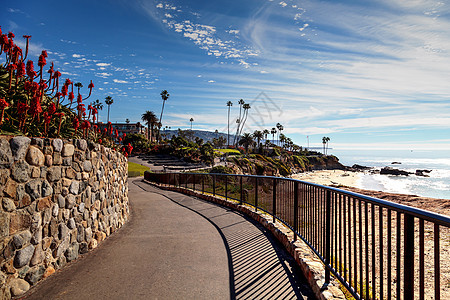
[{"x": 40, "y": 104}]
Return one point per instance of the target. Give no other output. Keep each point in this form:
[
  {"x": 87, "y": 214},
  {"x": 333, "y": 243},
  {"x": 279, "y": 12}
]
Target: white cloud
[
  {"x": 103, "y": 64},
  {"x": 211, "y": 81},
  {"x": 160, "y": 5},
  {"x": 120, "y": 81},
  {"x": 233, "y": 31},
  {"x": 168, "y": 16},
  {"x": 77, "y": 55},
  {"x": 283, "y": 4},
  {"x": 103, "y": 74}
]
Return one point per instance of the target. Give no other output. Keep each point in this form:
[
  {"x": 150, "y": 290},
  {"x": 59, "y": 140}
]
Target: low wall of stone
[{"x": 59, "y": 199}]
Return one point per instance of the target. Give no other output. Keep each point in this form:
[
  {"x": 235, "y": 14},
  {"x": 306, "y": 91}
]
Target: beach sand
[{"x": 331, "y": 177}]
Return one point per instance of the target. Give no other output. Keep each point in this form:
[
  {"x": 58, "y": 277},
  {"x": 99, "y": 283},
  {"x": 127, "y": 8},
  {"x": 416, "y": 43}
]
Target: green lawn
[
  {"x": 135, "y": 169},
  {"x": 229, "y": 151}
]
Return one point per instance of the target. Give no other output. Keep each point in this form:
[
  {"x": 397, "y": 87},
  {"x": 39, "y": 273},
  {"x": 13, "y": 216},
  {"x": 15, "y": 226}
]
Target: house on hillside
[{"x": 125, "y": 128}]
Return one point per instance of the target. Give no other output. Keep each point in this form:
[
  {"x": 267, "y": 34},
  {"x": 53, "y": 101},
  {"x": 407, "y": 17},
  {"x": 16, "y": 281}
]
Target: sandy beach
[{"x": 331, "y": 177}]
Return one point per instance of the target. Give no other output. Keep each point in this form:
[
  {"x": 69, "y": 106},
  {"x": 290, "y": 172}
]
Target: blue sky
[{"x": 368, "y": 74}]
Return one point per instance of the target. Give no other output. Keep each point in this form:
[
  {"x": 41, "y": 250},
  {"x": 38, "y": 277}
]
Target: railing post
[
  {"x": 242, "y": 191},
  {"x": 295, "y": 210},
  {"x": 226, "y": 187},
  {"x": 179, "y": 179},
  {"x": 274, "y": 200},
  {"x": 256, "y": 193},
  {"x": 409, "y": 257},
  {"x": 327, "y": 237},
  {"x": 203, "y": 184},
  {"x": 193, "y": 184},
  {"x": 214, "y": 184}
]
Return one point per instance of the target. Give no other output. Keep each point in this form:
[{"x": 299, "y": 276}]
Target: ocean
[{"x": 435, "y": 186}]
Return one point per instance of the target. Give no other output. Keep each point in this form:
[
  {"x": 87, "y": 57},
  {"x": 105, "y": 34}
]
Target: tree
[
  {"x": 98, "y": 106},
  {"x": 246, "y": 107},
  {"x": 150, "y": 119},
  {"x": 164, "y": 96},
  {"x": 127, "y": 121},
  {"x": 325, "y": 141},
  {"x": 78, "y": 85},
  {"x": 273, "y": 131},
  {"x": 258, "y": 135},
  {"x": 191, "y": 120},
  {"x": 229, "y": 104},
  {"x": 246, "y": 141},
  {"x": 282, "y": 139},
  {"x": 280, "y": 128},
  {"x": 109, "y": 100},
  {"x": 241, "y": 102}
]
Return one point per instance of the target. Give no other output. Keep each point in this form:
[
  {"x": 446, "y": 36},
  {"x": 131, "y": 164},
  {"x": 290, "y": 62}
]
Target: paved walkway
[{"x": 180, "y": 247}]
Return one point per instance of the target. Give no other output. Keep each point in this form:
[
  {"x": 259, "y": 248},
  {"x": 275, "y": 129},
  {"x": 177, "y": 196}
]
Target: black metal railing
[{"x": 377, "y": 249}]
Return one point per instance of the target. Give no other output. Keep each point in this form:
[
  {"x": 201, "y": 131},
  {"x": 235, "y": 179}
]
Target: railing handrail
[
  {"x": 329, "y": 218},
  {"x": 417, "y": 212}
]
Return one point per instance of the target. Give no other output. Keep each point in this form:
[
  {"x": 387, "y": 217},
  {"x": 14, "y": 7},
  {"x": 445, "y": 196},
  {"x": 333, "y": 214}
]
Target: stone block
[
  {"x": 54, "y": 173},
  {"x": 35, "y": 157},
  {"x": 38, "y": 256},
  {"x": 49, "y": 271},
  {"x": 34, "y": 188},
  {"x": 43, "y": 204},
  {"x": 10, "y": 188},
  {"x": 23, "y": 256},
  {"x": 21, "y": 171},
  {"x": 35, "y": 274},
  {"x": 18, "y": 221},
  {"x": 57, "y": 158},
  {"x": 8, "y": 205},
  {"x": 4, "y": 225},
  {"x": 19, "y": 146},
  {"x": 21, "y": 239},
  {"x": 18, "y": 287},
  {"x": 35, "y": 172},
  {"x": 48, "y": 160},
  {"x": 68, "y": 150},
  {"x": 57, "y": 145},
  {"x": 82, "y": 144},
  {"x": 72, "y": 252},
  {"x": 6, "y": 157},
  {"x": 74, "y": 187}
]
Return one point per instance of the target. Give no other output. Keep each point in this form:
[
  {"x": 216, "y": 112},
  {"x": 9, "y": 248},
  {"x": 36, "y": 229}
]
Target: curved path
[{"x": 179, "y": 247}]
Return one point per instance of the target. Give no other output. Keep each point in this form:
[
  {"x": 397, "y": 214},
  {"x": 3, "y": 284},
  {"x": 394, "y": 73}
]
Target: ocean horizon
[{"x": 437, "y": 185}]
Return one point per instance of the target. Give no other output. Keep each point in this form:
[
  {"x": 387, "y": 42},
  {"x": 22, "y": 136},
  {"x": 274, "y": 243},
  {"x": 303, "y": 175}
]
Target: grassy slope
[{"x": 136, "y": 169}]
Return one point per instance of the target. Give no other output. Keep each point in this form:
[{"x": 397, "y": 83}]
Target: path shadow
[{"x": 259, "y": 267}]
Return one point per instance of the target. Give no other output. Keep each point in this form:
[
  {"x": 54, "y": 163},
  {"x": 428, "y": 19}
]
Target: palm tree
[
  {"x": 258, "y": 135},
  {"x": 164, "y": 96},
  {"x": 273, "y": 131},
  {"x": 282, "y": 138},
  {"x": 191, "y": 120},
  {"x": 150, "y": 119},
  {"x": 229, "y": 104},
  {"x": 280, "y": 128},
  {"x": 266, "y": 132},
  {"x": 109, "y": 100},
  {"x": 246, "y": 107},
  {"x": 241, "y": 102},
  {"x": 98, "y": 106},
  {"x": 78, "y": 85},
  {"x": 127, "y": 121},
  {"x": 246, "y": 141},
  {"x": 325, "y": 141}
]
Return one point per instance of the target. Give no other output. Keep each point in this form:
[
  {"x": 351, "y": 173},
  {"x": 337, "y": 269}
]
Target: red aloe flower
[
  {"x": 11, "y": 35},
  {"x": 27, "y": 37},
  {"x": 79, "y": 99},
  {"x": 64, "y": 90},
  {"x": 42, "y": 61},
  {"x": 35, "y": 107},
  {"x": 3, "y": 105},
  {"x": 20, "y": 69},
  {"x": 51, "y": 108},
  {"x": 30, "y": 70},
  {"x": 76, "y": 124},
  {"x": 71, "y": 97}
]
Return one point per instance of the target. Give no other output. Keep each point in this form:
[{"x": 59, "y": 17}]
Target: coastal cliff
[{"x": 256, "y": 164}]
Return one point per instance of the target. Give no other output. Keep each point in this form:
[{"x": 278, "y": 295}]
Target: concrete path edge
[{"x": 311, "y": 266}]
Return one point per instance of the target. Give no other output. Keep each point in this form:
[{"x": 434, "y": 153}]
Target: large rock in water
[{"x": 393, "y": 171}]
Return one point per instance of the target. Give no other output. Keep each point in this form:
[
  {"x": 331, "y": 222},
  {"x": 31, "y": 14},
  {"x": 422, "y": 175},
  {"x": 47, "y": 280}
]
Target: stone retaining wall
[{"x": 59, "y": 198}]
